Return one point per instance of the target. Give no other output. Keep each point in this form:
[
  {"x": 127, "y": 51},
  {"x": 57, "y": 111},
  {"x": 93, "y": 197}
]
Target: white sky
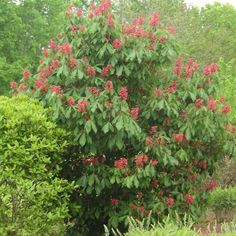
[{"x": 203, "y": 2}]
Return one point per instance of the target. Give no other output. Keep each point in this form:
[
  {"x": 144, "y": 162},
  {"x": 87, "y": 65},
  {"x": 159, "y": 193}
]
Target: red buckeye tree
[{"x": 145, "y": 131}]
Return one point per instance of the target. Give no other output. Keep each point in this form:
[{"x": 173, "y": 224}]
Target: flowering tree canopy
[{"x": 145, "y": 131}]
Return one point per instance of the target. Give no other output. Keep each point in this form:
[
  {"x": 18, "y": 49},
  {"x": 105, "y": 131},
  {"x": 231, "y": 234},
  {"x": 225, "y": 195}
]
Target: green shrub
[
  {"x": 33, "y": 200},
  {"x": 223, "y": 198}
]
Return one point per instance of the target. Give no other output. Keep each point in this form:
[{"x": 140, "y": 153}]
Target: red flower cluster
[
  {"x": 26, "y": 74},
  {"x": 82, "y": 106},
  {"x": 212, "y": 185},
  {"x": 65, "y": 48},
  {"x": 114, "y": 202},
  {"x": 22, "y": 87},
  {"x": 153, "y": 129},
  {"x": 53, "y": 45},
  {"x": 155, "y": 19},
  {"x": 134, "y": 112},
  {"x": 121, "y": 163},
  {"x": 226, "y": 109},
  {"x": 40, "y": 84},
  {"x": 178, "y": 66},
  {"x": 98, "y": 10},
  {"x": 190, "y": 67},
  {"x": 202, "y": 164},
  {"x": 73, "y": 63},
  {"x": 138, "y": 21},
  {"x": 140, "y": 160},
  {"x": 91, "y": 71},
  {"x": 132, "y": 206},
  {"x": 70, "y": 101},
  {"x": 149, "y": 141},
  {"x": 212, "y": 104},
  {"x": 209, "y": 70},
  {"x": 110, "y": 21},
  {"x": 90, "y": 161},
  {"x": 56, "y": 89},
  {"x": 154, "y": 183},
  {"x": 199, "y": 103},
  {"x": 178, "y": 138},
  {"x": 94, "y": 91},
  {"x": 153, "y": 162},
  {"x": 108, "y": 104},
  {"x": 170, "y": 201},
  {"x": 171, "y": 29},
  {"x": 117, "y": 44},
  {"x": 141, "y": 209},
  {"x": 13, "y": 85},
  {"x": 188, "y": 198},
  {"x": 45, "y": 52},
  {"x": 106, "y": 71},
  {"x": 74, "y": 29},
  {"x": 108, "y": 85},
  {"x": 123, "y": 93},
  {"x": 139, "y": 195}
]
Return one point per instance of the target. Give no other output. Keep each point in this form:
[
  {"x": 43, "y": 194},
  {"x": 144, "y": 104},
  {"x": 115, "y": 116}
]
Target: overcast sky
[{"x": 203, "y": 2}]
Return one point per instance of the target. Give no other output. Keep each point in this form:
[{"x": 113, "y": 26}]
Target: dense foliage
[
  {"x": 33, "y": 200},
  {"x": 145, "y": 131}
]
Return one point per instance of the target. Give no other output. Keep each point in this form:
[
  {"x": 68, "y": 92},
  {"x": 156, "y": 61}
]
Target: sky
[{"x": 203, "y": 2}]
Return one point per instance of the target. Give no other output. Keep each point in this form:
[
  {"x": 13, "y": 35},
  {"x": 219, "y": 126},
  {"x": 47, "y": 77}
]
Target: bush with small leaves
[{"x": 33, "y": 199}]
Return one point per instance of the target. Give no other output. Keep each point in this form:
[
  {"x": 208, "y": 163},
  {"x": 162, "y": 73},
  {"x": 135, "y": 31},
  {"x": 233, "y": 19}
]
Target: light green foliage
[
  {"x": 227, "y": 73},
  {"x": 223, "y": 198},
  {"x": 33, "y": 200}
]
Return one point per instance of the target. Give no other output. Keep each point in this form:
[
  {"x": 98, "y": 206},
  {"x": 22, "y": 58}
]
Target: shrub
[
  {"x": 33, "y": 200},
  {"x": 145, "y": 132}
]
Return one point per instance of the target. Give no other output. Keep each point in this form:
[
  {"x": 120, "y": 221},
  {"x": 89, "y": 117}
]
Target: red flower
[
  {"x": 208, "y": 70},
  {"x": 157, "y": 92},
  {"x": 178, "y": 66},
  {"x": 178, "y": 138},
  {"x": 222, "y": 99},
  {"x": 149, "y": 141},
  {"x": 139, "y": 195},
  {"x": 73, "y": 63},
  {"x": 82, "y": 105},
  {"x": 79, "y": 12},
  {"x": 108, "y": 85},
  {"x": 22, "y": 87},
  {"x": 163, "y": 38},
  {"x": 13, "y": 85},
  {"x": 121, "y": 163},
  {"x": 226, "y": 109},
  {"x": 134, "y": 112},
  {"x": 108, "y": 104},
  {"x": 159, "y": 140},
  {"x": 94, "y": 91},
  {"x": 188, "y": 198},
  {"x": 45, "y": 52},
  {"x": 40, "y": 84},
  {"x": 90, "y": 71},
  {"x": 153, "y": 129},
  {"x": 123, "y": 93},
  {"x": 171, "y": 29},
  {"x": 141, "y": 209},
  {"x": 132, "y": 206},
  {"x": 153, "y": 162},
  {"x": 212, "y": 185},
  {"x": 56, "y": 89},
  {"x": 114, "y": 202},
  {"x": 212, "y": 104},
  {"x": 65, "y": 49},
  {"x": 202, "y": 164},
  {"x": 140, "y": 160},
  {"x": 199, "y": 103},
  {"x": 55, "y": 64},
  {"x": 26, "y": 74},
  {"x": 155, "y": 19},
  {"x": 154, "y": 183},
  {"x": 106, "y": 71},
  {"x": 74, "y": 29},
  {"x": 170, "y": 201},
  {"x": 70, "y": 101},
  {"x": 117, "y": 44},
  {"x": 110, "y": 21},
  {"x": 52, "y": 45}
]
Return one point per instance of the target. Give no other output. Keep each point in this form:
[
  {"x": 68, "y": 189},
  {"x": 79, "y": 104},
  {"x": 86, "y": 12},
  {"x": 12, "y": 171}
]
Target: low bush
[{"x": 33, "y": 200}]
